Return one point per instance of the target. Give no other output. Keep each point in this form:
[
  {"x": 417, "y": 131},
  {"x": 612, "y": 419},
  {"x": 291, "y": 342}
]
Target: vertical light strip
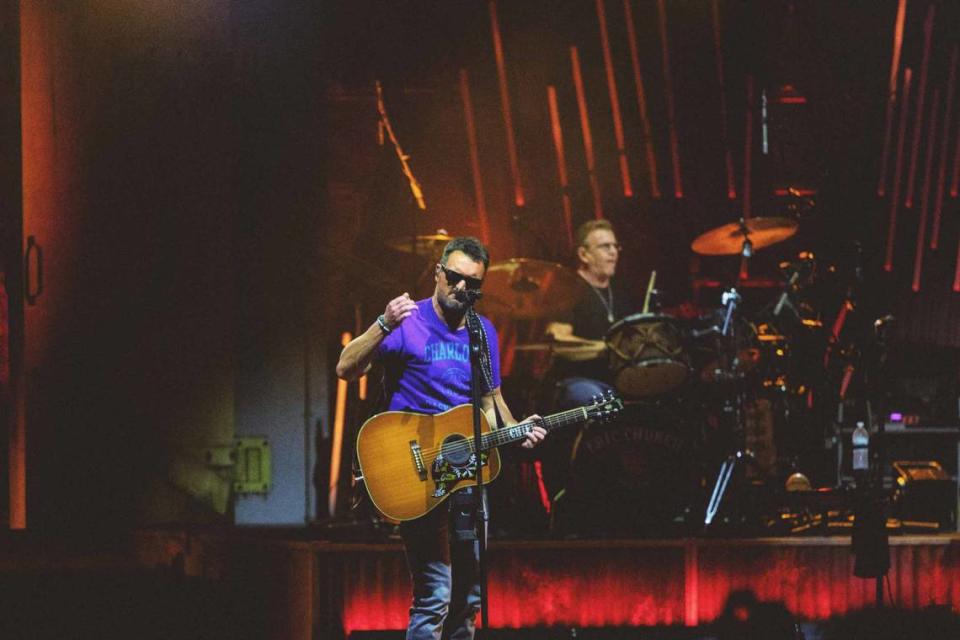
[
  {"x": 891, "y": 94},
  {"x": 691, "y": 584},
  {"x": 18, "y": 466},
  {"x": 642, "y": 102},
  {"x": 561, "y": 162},
  {"x": 955, "y": 177},
  {"x": 727, "y": 153},
  {"x": 925, "y": 195},
  {"x": 541, "y": 486},
  {"x": 942, "y": 171},
  {"x": 336, "y": 446},
  {"x": 614, "y": 101},
  {"x": 748, "y": 150},
  {"x": 478, "y": 193},
  {"x": 921, "y": 95},
  {"x": 956, "y": 272},
  {"x": 668, "y": 91},
  {"x": 518, "y": 197},
  {"x": 747, "y": 169},
  {"x": 898, "y": 169},
  {"x": 587, "y": 136}
]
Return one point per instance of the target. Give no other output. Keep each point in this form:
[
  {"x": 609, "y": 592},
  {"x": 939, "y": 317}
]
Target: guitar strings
[
  {"x": 466, "y": 444},
  {"x": 550, "y": 422}
]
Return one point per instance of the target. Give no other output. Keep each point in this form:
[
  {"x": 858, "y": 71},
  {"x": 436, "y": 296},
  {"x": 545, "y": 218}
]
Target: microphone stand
[{"x": 476, "y": 342}]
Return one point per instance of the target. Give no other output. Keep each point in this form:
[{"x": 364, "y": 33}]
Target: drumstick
[{"x": 646, "y": 299}]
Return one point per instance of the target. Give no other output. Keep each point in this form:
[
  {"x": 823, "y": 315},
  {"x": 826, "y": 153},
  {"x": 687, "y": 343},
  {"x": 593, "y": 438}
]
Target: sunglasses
[{"x": 454, "y": 278}]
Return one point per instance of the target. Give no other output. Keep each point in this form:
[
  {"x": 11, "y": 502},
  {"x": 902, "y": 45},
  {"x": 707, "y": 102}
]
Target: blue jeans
[{"x": 444, "y": 570}]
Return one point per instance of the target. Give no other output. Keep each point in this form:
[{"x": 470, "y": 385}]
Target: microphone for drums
[{"x": 469, "y": 296}]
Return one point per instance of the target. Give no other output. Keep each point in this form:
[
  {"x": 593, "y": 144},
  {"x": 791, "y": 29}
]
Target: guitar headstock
[{"x": 605, "y": 406}]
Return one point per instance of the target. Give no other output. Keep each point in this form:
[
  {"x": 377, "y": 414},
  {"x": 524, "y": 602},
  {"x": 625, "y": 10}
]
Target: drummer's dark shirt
[{"x": 589, "y": 319}]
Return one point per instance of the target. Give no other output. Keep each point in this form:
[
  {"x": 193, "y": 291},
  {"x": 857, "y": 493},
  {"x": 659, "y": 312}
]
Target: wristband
[{"x": 382, "y": 321}]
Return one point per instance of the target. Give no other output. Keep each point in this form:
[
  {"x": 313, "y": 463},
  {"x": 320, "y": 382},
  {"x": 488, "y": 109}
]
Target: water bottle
[{"x": 861, "y": 442}]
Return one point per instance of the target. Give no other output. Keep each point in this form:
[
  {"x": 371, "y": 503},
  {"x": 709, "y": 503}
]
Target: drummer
[{"x": 599, "y": 303}]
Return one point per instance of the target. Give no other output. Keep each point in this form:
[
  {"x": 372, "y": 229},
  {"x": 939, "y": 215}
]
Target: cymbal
[
  {"x": 429, "y": 245},
  {"x": 728, "y": 239},
  {"x": 566, "y": 351},
  {"x": 527, "y": 288}
]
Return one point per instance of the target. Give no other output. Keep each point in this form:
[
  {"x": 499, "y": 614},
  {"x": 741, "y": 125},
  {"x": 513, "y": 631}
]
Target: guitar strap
[
  {"x": 476, "y": 328},
  {"x": 486, "y": 366}
]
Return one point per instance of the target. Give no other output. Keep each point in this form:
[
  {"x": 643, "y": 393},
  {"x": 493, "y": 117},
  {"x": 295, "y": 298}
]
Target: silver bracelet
[{"x": 382, "y": 321}]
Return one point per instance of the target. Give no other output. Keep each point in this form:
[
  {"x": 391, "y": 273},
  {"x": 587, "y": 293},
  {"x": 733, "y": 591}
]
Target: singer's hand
[
  {"x": 398, "y": 310},
  {"x": 536, "y": 435}
]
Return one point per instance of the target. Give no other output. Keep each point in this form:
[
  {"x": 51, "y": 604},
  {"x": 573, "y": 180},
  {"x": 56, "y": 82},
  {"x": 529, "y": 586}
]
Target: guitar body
[{"x": 398, "y": 453}]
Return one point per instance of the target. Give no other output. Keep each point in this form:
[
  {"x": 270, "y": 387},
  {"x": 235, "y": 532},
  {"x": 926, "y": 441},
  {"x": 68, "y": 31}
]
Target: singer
[{"x": 424, "y": 349}]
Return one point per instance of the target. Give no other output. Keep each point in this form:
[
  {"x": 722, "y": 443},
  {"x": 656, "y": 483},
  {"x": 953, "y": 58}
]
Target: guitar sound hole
[{"x": 456, "y": 450}]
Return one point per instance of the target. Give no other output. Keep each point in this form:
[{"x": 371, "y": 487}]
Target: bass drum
[
  {"x": 648, "y": 355},
  {"x": 635, "y": 477}
]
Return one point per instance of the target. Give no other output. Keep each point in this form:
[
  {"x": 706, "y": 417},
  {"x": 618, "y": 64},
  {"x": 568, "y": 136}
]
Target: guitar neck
[{"x": 506, "y": 435}]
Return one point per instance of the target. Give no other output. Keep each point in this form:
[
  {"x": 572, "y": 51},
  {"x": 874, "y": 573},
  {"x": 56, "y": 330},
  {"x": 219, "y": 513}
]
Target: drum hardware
[
  {"x": 635, "y": 477},
  {"x": 727, "y": 370},
  {"x": 571, "y": 351},
  {"x": 524, "y": 288},
  {"x": 720, "y": 242},
  {"x": 723, "y": 480},
  {"x": 744, "y": 237},
  {"x": 429, "y": 246},
  {"x": 648, "y": 355},
  {"x": 650, "y": 291},
  {"x": 784, "y": 299},
  {"x": 730, "y": 299}
]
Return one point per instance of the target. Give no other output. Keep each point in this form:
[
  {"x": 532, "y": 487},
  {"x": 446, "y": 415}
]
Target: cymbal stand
[{"x": 730, "y": 300}]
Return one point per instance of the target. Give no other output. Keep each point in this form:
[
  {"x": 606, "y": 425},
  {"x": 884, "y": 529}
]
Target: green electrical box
[{"x": 253, "y": 466}]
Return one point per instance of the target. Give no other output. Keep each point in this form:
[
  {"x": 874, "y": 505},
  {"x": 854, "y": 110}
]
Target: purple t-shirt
[{"x": 428, "y": 365}]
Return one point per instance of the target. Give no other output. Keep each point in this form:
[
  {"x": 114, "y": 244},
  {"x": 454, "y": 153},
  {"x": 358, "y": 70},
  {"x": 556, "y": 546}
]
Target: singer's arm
[{"x": 358, "y": 355}]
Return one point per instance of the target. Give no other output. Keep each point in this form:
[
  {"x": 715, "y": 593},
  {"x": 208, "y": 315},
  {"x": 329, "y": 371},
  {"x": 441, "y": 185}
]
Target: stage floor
[{"x": 325, "y": 589}]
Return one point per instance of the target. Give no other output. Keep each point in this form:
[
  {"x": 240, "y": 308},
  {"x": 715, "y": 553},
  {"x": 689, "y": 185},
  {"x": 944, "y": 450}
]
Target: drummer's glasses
[
  {"x": 454, "y": 278},
  {"x": 610, "y": 246}
]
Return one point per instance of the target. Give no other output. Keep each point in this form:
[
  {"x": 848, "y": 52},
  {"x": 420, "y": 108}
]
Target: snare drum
[{"x": 647, "y": 355}]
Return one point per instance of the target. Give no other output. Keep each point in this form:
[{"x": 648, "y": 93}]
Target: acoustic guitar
[{"x": 412, "y": 462}]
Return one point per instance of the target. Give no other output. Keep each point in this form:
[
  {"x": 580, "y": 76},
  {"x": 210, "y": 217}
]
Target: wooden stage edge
[{"x": 323, "y": 589}]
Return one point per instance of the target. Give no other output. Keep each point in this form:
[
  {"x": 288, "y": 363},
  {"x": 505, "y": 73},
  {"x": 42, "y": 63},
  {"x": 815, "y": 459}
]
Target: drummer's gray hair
[{"x": 584, "y": 230}]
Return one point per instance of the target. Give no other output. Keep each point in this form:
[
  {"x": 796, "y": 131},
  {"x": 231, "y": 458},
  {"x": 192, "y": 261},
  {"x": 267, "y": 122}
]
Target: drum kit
[{"x": 713, "y": 394}]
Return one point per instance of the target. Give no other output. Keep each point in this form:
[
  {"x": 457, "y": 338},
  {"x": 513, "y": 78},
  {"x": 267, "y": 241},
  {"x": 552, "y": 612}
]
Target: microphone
[{"x": 469, "y": 296}]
